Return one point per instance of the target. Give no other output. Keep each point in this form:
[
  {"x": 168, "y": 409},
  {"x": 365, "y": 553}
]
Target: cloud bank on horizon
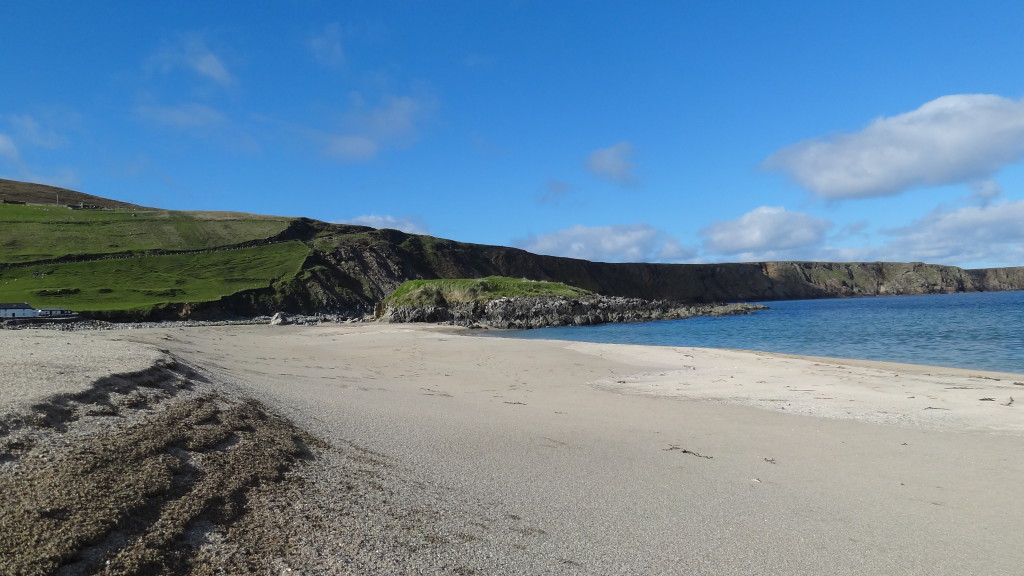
[
  {"x": 618, "y": 243},
  {"x": 695, "y": 134}
]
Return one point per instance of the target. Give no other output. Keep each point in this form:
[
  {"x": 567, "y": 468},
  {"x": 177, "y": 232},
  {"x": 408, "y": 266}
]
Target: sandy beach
[{"x": 412, "y": 449}]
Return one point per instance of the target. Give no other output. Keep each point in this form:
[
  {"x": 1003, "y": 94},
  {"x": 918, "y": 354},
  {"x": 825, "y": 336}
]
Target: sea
[{"x": 978, "y": 330}]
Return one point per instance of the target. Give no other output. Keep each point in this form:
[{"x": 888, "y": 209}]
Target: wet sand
[{"x": 435, "y": 451}]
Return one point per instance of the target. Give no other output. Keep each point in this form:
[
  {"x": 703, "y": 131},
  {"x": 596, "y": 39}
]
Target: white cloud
[
  {"x": 14, "y": 166},
  {"x": 614, "y": 163},
  {"x": 969, "y": 237},
  {"x": 326, "y": 46},
  {"x": 393, "y": 123},
  {"x": 555, "y": 191},
  {"x": 618, "y": 243},
  {"x": 33, "y": 132},
  {"x": 351, "y": 148},
  {"x": 766, "y": 233},
  {"x": 192, "y": 53},
  {"x": 202, "y": 122},
  {"x": 975, "y": 235},
  {"x": 187, "y": 115},
  {"x": 409, "y": 224},
  {"x": 395, "y": 118},
  {"x": 8, "y": 149},
  {"x": 985, "y": 192},
  {"x": 950, "y": 140},
  {"x": 854, "y": 228}
]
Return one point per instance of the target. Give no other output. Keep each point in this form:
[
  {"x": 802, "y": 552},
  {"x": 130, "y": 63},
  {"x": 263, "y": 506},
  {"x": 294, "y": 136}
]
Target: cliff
[
  {"x": 308, "y": 267},
  {"x": 353, "y": 268},
  {"x": 362, "y": 266}
]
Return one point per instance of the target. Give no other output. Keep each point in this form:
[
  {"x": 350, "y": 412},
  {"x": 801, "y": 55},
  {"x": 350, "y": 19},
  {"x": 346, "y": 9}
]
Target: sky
[{"x": 667, "y": 131}]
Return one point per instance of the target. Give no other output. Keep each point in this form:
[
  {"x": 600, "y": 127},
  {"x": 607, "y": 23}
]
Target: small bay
[{"x": 981, "y": 330}]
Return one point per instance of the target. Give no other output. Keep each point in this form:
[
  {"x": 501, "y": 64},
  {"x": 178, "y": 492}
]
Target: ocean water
[{"x": 977, "y": 330}]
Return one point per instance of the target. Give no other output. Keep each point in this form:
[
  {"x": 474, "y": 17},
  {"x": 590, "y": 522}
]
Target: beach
[{"x": 371, "y": 448}]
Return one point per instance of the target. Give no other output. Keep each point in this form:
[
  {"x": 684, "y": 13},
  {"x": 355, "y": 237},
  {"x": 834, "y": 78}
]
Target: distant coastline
[
  {"x": 980, "y": 331},
  {"x": 127, "y": 263}
]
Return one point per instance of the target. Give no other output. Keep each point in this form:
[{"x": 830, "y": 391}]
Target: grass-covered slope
[
  {"x": 118, "y": 257},
  {"x": 464, "y": 290},
  {"x": 142, "y": 283},
  {"x": 37, "y": 232}
]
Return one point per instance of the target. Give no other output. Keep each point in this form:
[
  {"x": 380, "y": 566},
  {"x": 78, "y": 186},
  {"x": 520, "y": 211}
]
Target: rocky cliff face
[
  {"x": 519, "y": 313},
  {"x": 352, "y": 268},
  {"x": 869, "y": 279},
  {"x": 357, "y": 267},
  {"x": 998, "y": 278}
]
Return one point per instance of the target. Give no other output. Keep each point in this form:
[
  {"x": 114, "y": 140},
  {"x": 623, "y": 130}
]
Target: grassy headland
[{"x": 450, "y": 291}]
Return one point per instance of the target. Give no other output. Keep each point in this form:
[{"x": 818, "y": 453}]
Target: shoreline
[
  {"x": 471, "y": 330},
  {"x": 852, "y": 361},
  {"x": 916, "y": 395},
  {"x": 433, "y": 452}
]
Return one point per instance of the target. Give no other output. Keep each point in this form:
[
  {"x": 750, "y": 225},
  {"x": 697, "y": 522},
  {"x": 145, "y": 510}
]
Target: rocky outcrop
[
  {"x": 993, "y": 279},
  {"x": 533, "y": 312},
  {"x": 844, "y": 279},
  {"x": 367, "y": 265}
]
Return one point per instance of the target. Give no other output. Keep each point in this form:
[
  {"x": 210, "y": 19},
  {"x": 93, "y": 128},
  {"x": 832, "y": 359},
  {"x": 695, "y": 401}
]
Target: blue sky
[{"x": 676, "y": 131}]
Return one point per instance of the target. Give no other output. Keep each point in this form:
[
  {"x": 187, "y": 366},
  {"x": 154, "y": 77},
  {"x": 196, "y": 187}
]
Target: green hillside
[
  {"x": 135, "y": 259},
  {"x": 38, "y": 232},
  {"x": 142, "y": 283}
]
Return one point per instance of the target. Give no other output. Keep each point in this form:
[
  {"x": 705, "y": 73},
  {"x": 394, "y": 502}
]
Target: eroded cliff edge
[{"x": 352, "y": 268}]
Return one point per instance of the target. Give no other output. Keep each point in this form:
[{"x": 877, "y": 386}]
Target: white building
[
  {"x": 50, "y": 312},
  {"x": 24, "y": 310},
  {"x": 21, "y": 310}
]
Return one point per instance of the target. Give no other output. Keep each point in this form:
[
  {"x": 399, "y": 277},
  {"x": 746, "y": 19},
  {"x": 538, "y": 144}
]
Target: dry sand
[{"x": 436, "y": 451}]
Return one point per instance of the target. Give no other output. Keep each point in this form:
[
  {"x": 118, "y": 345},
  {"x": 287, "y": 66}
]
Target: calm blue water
[{"x": 978, "y": 330}]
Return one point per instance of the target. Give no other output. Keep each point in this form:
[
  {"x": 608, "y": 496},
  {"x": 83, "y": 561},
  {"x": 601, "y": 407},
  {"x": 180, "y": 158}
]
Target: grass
[
  {"x": 143, "y": 282},
  {"x": 442, "y": 292},
  {"x": 38, "y": 232}
]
